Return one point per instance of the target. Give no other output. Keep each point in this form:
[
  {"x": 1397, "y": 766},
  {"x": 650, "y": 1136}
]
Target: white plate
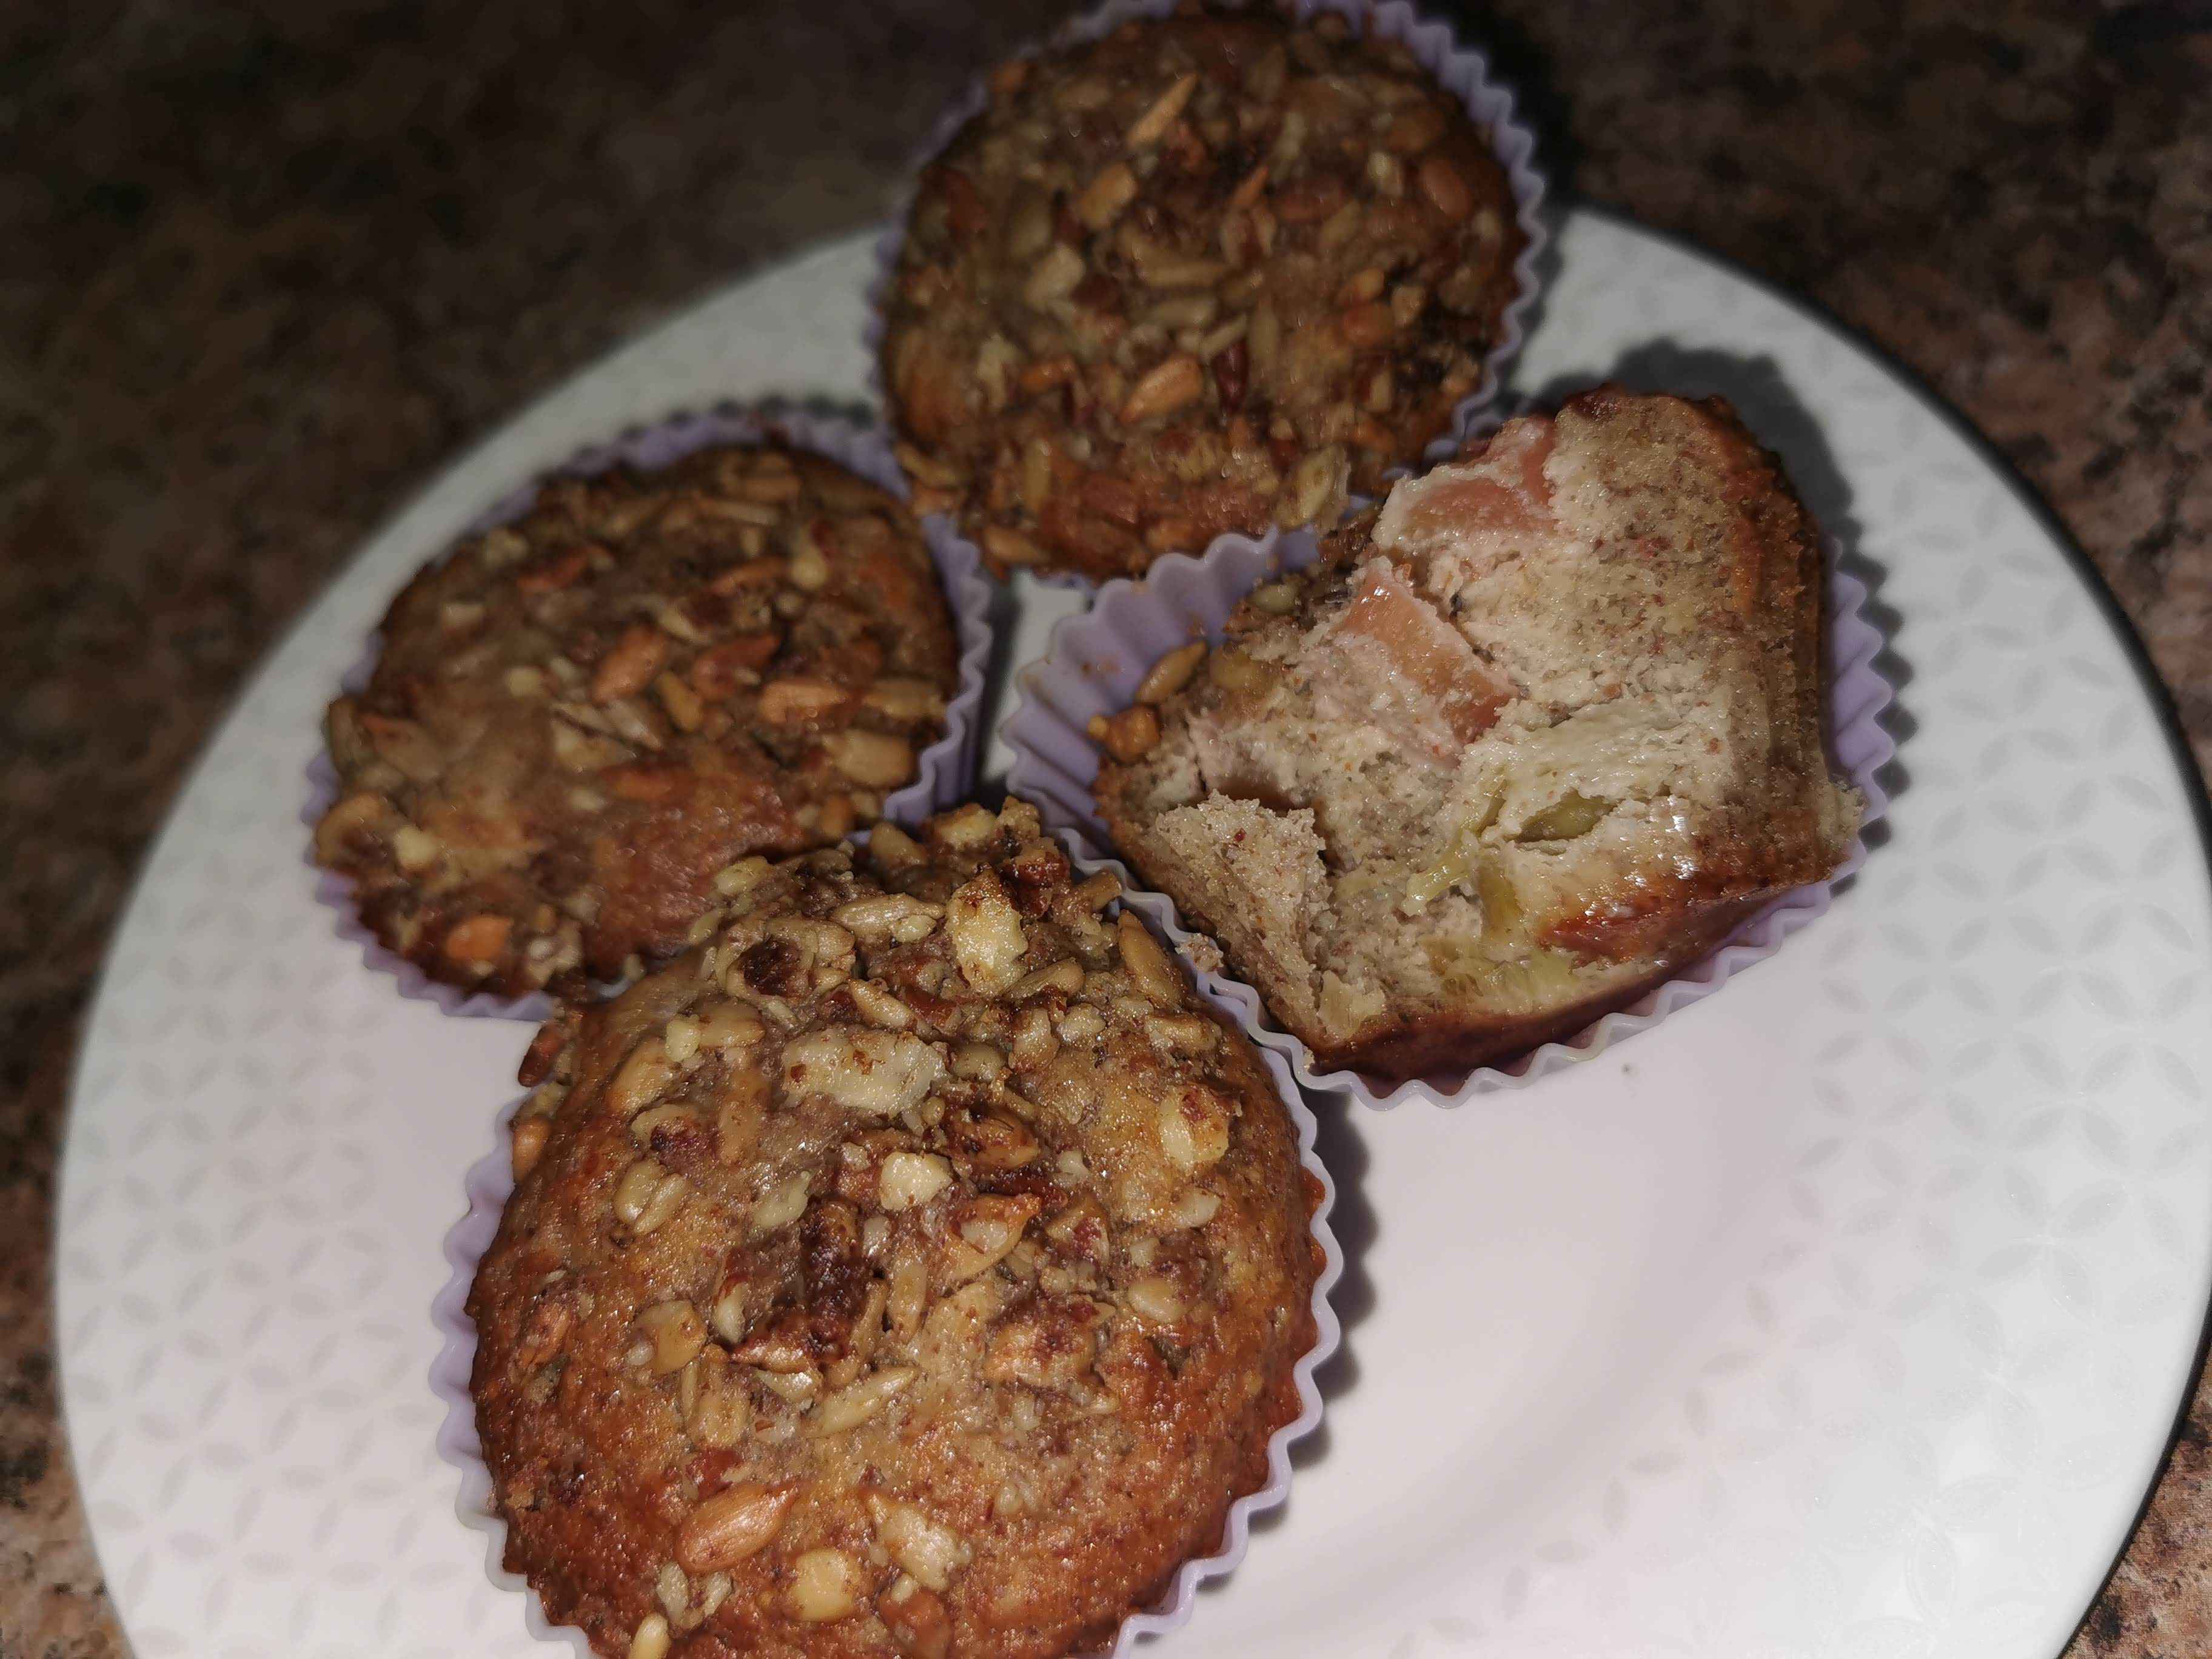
[{"x": 1845, "y": 1314}]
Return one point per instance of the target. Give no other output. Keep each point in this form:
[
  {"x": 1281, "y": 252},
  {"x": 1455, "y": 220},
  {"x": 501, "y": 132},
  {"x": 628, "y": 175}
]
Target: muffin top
[
  {"x": 576, "y": 720},
  {"x": 919, "y": 1265},
  {"x": 1201, "y": 275}
]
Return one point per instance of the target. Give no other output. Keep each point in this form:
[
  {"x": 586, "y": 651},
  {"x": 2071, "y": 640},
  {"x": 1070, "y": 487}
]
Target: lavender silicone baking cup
[
  {"x": 945, "y": 771},
  {"x": 491, "y": 1179},
  {"x": 1462, "y": 71},
  {"x": 1095, "y": 659}
]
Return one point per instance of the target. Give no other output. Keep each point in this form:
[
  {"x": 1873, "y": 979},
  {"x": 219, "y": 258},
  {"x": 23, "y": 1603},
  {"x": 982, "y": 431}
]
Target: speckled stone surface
[{"x": 263, "y": 270}]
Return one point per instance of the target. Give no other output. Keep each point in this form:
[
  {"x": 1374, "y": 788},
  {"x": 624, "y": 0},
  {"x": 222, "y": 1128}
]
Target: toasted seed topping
[
  {"x": 904, "y": 1207},
  {"x": 1211, "y": 271},
  {"x": 579, "y": 719}
]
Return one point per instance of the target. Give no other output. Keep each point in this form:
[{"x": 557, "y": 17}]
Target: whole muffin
[
  {"x": 1540, "y": 732},
  {"x": 918, "y": 1268},
  {"x": 576, "y": 720},
  {"x": 1202, "y": 275}
]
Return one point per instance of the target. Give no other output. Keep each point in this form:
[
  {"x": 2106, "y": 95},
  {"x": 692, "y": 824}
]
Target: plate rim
[{"x": 2196, "y": 787}]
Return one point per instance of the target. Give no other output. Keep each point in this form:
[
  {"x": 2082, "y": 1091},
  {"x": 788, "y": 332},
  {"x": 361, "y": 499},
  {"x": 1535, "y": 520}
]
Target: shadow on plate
[{"x": 1342, "y": 1148}]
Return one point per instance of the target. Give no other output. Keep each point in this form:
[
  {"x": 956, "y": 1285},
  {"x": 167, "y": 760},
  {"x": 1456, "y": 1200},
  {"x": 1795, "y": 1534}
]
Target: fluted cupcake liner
[
  {"x": 1461, "y": 69},
  {"x": 1095, "y": 659},
  {"x": 491, "y": 1179},
  {"x": 945, "y": 771}
]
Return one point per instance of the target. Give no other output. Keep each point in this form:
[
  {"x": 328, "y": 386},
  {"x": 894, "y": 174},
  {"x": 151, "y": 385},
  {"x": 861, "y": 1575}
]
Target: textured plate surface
[{"x": 1844, "y": 1314}]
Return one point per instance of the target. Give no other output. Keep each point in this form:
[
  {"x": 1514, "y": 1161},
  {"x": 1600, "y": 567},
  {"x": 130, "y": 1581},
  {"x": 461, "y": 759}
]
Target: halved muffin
[{"x": 1524, "y": 743}]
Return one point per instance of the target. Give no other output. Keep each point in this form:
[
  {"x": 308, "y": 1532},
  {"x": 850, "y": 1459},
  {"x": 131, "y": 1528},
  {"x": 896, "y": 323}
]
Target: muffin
[
  {"x": 1522, "y": 745},
  {"x": 1205, "y": 274},
  {"x": 578, "y": 718},
  {"x": 920, "y": 1266}
]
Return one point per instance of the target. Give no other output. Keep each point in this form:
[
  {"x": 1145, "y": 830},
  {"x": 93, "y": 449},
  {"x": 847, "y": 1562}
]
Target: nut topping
[
  {"x": 731, "y": 1526},
  {"x": 629, "y": 667},
  {"x": 825, "y": 1584},
  {"x": 1164, "y": 390},
  {"x": 1156, "y": 238},
  {"x": 890, "y": 1220},
  {"x": 910, "y": 1179},
  {"x": 650, "y": 1639},
  {"x": 1148, "y": 964},
  {"x": 875, "y": 758},
  {"x": 986, "y": 935},
  {"x": 1130, "y": 735},
  {"x": 1148, "y": 127},
  {"x": 676, "y": 1334},
  {"x": 573, "y": 725},
  {"x": 1171, "y": 673}
]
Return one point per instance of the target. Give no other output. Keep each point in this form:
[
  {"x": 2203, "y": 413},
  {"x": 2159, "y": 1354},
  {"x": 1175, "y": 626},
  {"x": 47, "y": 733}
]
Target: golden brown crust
[
  {"x": 576, "y": 719},
  {"x": 1634, "y": 599},
  {"x": 1439, "y": 1043},
  {"x": 1765, "y": 576},
  {"x": 1448, "y": 1044},
  {"x": 920, "y": 1265},
  {"x": 1195, "y": 277}
]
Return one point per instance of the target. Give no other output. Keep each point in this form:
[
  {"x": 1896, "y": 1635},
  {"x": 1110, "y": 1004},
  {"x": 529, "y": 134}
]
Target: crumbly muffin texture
[
  {"x": 1201, "y": 275},
  {"x": 577, "y": 718},
  {"x": 918, "y": 1268},
  {"x": 1543, "y": 729}
]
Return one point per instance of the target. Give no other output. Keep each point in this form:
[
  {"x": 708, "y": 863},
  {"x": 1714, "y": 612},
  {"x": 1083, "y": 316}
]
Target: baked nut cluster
[
  {"x": 577, "y": 718},
  {"x": 917, "y": 1267},
  {"x": 1208, "y": 273}
]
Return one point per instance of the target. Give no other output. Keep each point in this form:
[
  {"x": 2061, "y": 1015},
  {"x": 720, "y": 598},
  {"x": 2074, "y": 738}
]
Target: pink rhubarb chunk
[{"x": 1392, "y": 662}]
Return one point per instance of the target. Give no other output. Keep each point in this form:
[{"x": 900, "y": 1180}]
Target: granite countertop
[{"x": 264, "y": 274}]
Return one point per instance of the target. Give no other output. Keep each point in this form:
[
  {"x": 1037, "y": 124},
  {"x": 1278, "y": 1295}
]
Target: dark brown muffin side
[
  {"x": 921, "y": 1267},
  {"x": 1202, "y": 275},
  {"x": 577, "y": 718}
]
